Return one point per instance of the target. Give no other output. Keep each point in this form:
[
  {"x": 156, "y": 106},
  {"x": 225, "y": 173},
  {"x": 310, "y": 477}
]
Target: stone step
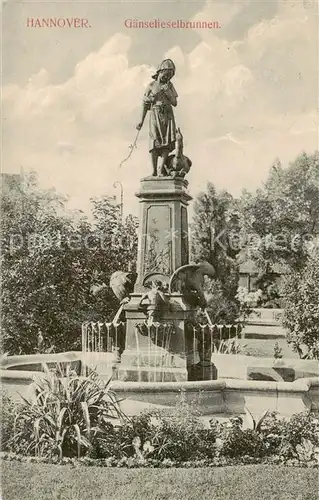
[{"x": 258, "y": 331}]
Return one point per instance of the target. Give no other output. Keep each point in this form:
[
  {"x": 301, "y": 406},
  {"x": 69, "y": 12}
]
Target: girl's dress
[{"x": 162, "y": 129}]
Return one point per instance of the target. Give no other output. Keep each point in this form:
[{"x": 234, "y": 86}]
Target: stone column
[{"x": 163, "y": 233}]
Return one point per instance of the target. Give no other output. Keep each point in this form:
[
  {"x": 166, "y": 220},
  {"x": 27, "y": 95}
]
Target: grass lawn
[
  {"x": 24, "y": 481},
  {"x": 263, "y": 348}
]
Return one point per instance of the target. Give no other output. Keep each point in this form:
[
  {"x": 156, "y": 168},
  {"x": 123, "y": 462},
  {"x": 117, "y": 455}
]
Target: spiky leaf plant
[{"x": 65, "y": 415}]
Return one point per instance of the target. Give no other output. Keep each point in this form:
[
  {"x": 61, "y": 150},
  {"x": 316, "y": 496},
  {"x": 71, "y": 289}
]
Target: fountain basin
[
  {"x": 223, "y": 397},
  {"x": 216, "y": 398},
  {"x": 219, "y": 398}
]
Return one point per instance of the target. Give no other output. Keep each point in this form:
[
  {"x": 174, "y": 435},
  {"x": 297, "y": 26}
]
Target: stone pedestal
[
  {"x": 163, "y": 238},
  {"x": 202, "y": 371},
  {"x": 161, "y": 352},
  {"x": 162, "y": 347}
]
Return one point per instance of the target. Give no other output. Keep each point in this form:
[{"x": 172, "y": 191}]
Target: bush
[
  {"x": 7, "y": 416},
  {"x": 178, "y": 436},
  {"x": 247, "y": 300},
  {"x": 118, "y": 441},
  {"x": 228, "y": 346},
  {"x": 301, "y": 315},
  {"x": 66, "y": 416},
  {"x": 79, "y": 418},
  {"x": 286, "y": 438},
  {"x": 222, "y": 306},
  {"x": 182, "y": 436},
  {"x": 234, "y": 441}
]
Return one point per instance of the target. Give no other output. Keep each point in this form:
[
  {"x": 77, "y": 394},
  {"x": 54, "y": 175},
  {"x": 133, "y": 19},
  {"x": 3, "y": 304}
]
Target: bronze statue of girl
[{"x": 159, "y": 98}]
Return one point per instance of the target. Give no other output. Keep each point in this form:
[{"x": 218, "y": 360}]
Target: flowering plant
[{"x": 247, "y": 300}]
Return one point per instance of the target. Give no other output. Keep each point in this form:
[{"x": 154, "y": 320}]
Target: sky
[{"x": 71, "y": 97}]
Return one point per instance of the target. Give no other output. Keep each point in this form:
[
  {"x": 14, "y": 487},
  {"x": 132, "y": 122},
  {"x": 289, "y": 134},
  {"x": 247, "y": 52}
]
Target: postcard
[{"x": 160, "y": 238}]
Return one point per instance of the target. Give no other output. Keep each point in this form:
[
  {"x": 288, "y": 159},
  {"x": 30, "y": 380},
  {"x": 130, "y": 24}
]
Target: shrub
[
  {"x": 295, "y": 439},
  {"x": 277, "y": 351},
  {"x": 301, "y": 301},
  {"x": 79, "y": 417},
  {"x": 234, "y": 441},
  {"x": 222, "y": 305},
  {"x": 247, "y": 300},
  {"x": 182, "y": 436},
  {"x": 228, "y": 346},
  {"x": 66, "y": 415},
  {"x": 118, "y": 441},
  {"x": 178, "y": 436},
  {"x": 7, "y": 416},
  {"x": 269, "y": 295}
]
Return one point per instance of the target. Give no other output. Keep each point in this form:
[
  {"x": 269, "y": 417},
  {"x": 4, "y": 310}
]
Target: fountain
[
  {"x": 155, "y": 348},
  {"x": 159, "y": 348},
  {"x": 160, "y": 321}
]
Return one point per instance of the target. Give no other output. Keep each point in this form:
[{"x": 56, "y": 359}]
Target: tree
[
  {"x": 51, "y": 259},
  {"x": 43, "y": 271},
  {"x": 114, "y": 248},
  {"x": 301, "y": 316},
  {"x": 281, "y": 220},
  {"x": 214, "y": 223}
]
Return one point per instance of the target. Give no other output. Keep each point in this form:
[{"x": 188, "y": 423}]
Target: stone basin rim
[{"x": 300, "y": 385}]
